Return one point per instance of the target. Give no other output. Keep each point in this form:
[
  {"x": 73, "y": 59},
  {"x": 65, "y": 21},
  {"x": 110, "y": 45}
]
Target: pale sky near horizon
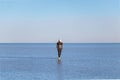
[{"x": 79, "y": 21}]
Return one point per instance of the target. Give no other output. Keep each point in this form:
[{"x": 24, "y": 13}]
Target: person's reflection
[
  {"x": 59, "y": 61},
  {"x": 59, "y": 70}
]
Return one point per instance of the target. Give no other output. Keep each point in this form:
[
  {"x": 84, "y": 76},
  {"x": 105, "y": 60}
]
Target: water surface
[{"x": 29, "y": 61}]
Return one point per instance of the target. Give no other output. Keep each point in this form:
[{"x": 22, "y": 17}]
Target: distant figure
[{"x": 59, "y": 48}]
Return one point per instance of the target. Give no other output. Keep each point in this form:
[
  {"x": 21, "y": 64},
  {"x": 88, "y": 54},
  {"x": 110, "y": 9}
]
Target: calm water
[{"x": 79, "y": 61}]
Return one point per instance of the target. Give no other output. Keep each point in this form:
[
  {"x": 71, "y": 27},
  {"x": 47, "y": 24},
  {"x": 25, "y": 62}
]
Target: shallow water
[{"x": 79, "y": 61}]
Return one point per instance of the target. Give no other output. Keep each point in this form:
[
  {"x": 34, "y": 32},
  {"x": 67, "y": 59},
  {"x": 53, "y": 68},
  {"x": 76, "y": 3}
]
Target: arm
[{"x": 56, "y": 45}]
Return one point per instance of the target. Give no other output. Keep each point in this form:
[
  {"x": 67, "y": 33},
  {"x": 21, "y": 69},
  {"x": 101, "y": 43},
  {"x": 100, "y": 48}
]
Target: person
[{"x": 59, "y": 48}]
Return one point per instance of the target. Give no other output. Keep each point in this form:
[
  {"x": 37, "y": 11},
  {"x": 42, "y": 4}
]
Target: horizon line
[{"x": 63, "y": 42}]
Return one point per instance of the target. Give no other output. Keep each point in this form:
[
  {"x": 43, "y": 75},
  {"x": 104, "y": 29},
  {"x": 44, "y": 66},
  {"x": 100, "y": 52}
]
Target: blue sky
[{"x": 79, "y": 21}]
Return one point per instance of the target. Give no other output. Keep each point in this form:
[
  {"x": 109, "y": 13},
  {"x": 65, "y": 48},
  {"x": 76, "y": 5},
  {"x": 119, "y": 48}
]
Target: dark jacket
[{"x": 59, "y": 45}]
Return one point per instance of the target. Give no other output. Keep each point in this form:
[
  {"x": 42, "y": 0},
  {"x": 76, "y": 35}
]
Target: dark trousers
[{"x": 59, "y": 51}]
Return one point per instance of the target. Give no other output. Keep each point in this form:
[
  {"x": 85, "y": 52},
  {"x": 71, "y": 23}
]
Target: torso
[{"x": 59, "y": 44}]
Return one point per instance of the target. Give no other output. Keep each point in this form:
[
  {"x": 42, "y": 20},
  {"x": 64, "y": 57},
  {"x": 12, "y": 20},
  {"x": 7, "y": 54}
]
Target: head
[{"x": 59, "y": 40}]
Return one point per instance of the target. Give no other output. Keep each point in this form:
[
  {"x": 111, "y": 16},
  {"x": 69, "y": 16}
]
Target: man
[{"x": 59, "y": 48}]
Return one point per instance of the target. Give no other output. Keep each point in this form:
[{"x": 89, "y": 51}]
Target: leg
[{"x": 59, "y": 52}]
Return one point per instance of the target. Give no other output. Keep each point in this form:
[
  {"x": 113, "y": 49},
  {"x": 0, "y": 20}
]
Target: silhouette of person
[{"x": 59, "y": 48}]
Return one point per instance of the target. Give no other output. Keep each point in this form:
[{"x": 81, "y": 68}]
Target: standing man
[{"x": 59, "y": 48}]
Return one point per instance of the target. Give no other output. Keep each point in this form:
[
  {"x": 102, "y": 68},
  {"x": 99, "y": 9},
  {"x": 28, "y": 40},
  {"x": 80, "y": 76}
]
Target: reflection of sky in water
[
  {"x": 30, "y": 69},
  {"x": 77, "y": 62}
]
